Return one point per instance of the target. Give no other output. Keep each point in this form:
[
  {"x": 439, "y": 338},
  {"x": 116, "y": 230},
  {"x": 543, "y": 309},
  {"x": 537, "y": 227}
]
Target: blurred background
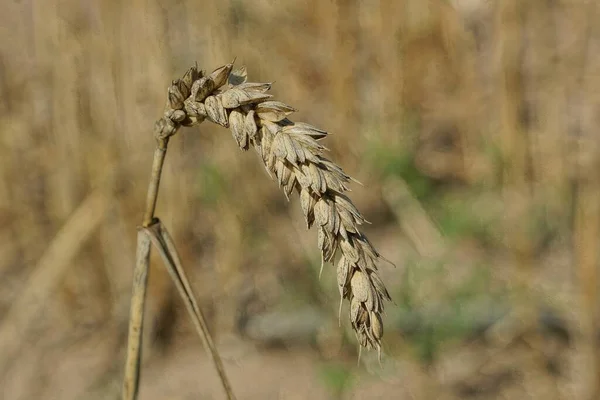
[{"x": 473, "y": 125}]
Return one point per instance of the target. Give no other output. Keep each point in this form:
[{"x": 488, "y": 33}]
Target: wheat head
[{"x": 290, "y": 152}]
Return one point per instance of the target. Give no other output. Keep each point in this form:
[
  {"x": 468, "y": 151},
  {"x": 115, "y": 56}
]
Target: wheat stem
[
  {"x": 140, "y": 279},
  {"x": 136, "y": 317},
  {"x": 157, "y": 165}
]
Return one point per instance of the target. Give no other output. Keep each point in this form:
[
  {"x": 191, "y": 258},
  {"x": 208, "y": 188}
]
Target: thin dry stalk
[
  {"x": 514, "y": 144},
  {"x": 48, "y": 274},
  {"x": 514, "y": 138},
  {"x": 136, "y": 316},
  {"x": 586, "y": 224},
  {"x": 140, "y": 280},
  {"x": 163, "y": 241},
  {"x": 586, "y": 229},
  {"x": 416, "y": 224},
  {"x": 291, "y": 153},
  {"x": 151, "y": 198}
]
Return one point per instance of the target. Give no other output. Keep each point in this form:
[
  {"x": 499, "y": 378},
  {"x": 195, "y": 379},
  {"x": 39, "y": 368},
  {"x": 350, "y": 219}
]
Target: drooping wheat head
[{"x": 291, "y": 153}]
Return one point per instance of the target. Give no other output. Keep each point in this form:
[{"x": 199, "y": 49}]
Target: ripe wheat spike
[{"x": 291, "y": 153}]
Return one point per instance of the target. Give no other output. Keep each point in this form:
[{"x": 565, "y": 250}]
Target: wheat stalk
[{"x": 292, "y": 154}]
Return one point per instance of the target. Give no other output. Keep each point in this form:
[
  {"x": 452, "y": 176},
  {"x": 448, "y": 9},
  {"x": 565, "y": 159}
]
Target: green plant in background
[
  {"x": 212, "y": 184},
  {"x": 457, "y": 313},
  {"x": 338, "y": 378},
  {"x": 465, "y": 214},
  {"x": 398, "y": 161}
]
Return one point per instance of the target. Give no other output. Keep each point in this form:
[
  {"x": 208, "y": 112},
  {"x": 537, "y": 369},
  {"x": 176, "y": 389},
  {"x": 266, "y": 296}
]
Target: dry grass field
[{"x": 473, "y": 126}]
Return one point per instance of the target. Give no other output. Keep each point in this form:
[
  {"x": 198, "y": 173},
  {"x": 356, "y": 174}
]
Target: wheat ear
[{"x": 290, "y": 152}]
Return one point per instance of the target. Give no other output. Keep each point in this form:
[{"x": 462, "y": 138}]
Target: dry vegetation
[{"x": 473, "y": 125}]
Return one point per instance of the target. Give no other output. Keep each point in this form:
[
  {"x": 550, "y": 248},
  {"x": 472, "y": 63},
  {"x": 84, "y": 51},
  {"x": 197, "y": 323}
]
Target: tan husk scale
[{"x": 293, "y": 155}]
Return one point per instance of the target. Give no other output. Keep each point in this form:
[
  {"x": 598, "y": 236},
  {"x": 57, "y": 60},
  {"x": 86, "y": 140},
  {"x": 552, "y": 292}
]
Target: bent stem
[
  {"x": 163, "y": 242},
  {"x": 140, "y": 280},
  {"x": 153, "y": 231}
]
